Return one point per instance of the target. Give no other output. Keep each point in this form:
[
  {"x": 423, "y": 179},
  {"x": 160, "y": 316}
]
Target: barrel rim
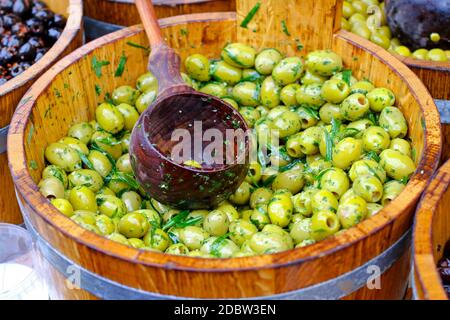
[
  {"x": 73, "y": 26},
  {"x": 424, "y": 64},
  {"x": 426, "y": 274},
  {"x": 28, "y": 189}
]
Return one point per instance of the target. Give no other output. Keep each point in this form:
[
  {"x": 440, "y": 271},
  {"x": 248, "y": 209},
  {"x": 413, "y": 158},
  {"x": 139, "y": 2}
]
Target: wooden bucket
[
  {"x": 431, "y": 232},
  {"x": 106, "y": 16},
  {"x": 369, "y": 261},
  {"x": 12, "y": 91}
]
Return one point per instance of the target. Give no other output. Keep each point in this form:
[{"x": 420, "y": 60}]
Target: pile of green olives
[
  {"x": 343, "y": 154},
  {"x": 373, "y": 26}
]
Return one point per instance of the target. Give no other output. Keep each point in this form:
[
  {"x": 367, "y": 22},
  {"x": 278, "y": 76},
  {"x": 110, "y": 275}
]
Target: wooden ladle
[{"x": 173, "y": 181}]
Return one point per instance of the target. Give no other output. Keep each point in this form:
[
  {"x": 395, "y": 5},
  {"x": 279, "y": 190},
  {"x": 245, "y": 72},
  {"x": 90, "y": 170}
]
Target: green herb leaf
[
  {"x": 269, "y": 180},
  {"x": 329, "y": 146},
  {"x": 347, "y": 76},
  {"x": 98, "y": 90},
  {"x": 97, "y": 66},
  {"x": 373, "y": 155},
  {"x": 136, "y": 45},
  {"x": 250, "y": 15},
  {"x": 215, "y": 246},
  {"x": 373, "y": 172},
  {"x": 173, "y": 237},
  {"x": 189, "y": 222},
  {"x": 33, "y": 165},
  {"x": 95, "y": 146},
  {"x": 299, "y": 44},
  {"x": 121, "y": 67},
  {"x": 85, "y": 160},
  {"x": 289, "y": 166},
  {"x": 108, "y": 98},
  {"x": 109, "y": 141},
  {"x": 285, "y": 28},
  {"x": 175, "y": 220},
  {"x": 404, "y": 180},
  {"x": 125, "y": 178},
  {"x": 348, "y": 132},
  {"x": 311, "y": 112},
  {"x": 373, "y": 118}
]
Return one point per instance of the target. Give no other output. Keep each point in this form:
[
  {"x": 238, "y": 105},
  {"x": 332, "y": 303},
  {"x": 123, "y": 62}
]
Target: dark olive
[
  {"x": 21, "y": 7},
  {"x": 36, "y": 42},
  {"x": 58, "y": 21},
  {"x": 40, "y": 53},
  {"x": 12, "y": 41},
  {"x": 27, "y": 52},
  {"x": 9, "y": 20},
  {"x": 44, "y": 15},
  {"x": 36, "y": 26},
  {"x": 3, "y": 80},
  {"x": 6, "y": 5},
  {"x": 53, "y": 34},
  {"x": 6, "y": 56},
  {"x": 37, "y": 6},
  {"x": 20, "y": 29},
  {"x": 18, "y": 68}
]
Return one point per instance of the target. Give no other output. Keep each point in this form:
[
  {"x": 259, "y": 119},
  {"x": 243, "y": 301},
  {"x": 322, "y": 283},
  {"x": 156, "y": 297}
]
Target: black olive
[
  {"x": 12, "y": 41},
  {"x": 21, "y": 7},
  {"x": 20, "y": 29},
  {"x": 7, "y": 56},
  {"x": 36, "y": 26},
  {"x": 27, "y": 52},
  {"x": 18, "y": 68},
  {"x": 6, "y": 5},
  {"x": 36, "y": 42},
  {"x": 9, "y": 20},
  {"x": 53, "y": 34},
  {"x": 58, "y": 21},
  {"x": 36, "y": 6},
  {"x": 44, "y": 15},
  {"x": 3, "y": 81},
  {"x": 40, "y": 53}
]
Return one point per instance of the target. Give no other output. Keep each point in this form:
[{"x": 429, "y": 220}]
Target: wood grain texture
[
  {"x": 216, "y": 278},
  {"x": 431, "y": 232},
  {"x": 12, "y": 91},
  {"x": 124, "y": 12},
  {"x": 445, "y": 142}
]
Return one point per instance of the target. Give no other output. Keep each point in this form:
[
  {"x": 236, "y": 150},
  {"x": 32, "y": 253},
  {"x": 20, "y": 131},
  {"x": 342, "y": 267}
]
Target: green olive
[
  {"x": 302, "y": 202},
  {"x": 105, "y": 191},
  {"x": 360, "y": 125},
  {"x": 307, "y": 118},
  {"x": 251, "y": 74},
  {"x": 132, "y": 200},
  {"x": 133, "y": 225},
  {"x": 269, "y": 242},
  {"x": 152, "y": 216},
  {"x": 266, "y": 61},
  {"x": 380, "y": 98},
  {"x": 260, "y": 217},
  {"x": 254, "y": 173},
  {"x": 129, "y": 114},
  {"x": 117, "y": 237},
  {"x": 270, "y": 93},
  {"x": 82, "y": 198},
  {"x": 279, "y": 157},
  {"x": 86, "y": 177},
  {"x": 242, "y": 194},
  {"x": 147, "y": 82},
  {"x": 108, "y": 143},
  {"x": 310, "y": 94},
  {"x": 223, "y": 72},
  {"x": 352, "y": 212},
  {"x": 375, "y": 139},
  {"x": 373, "y": 209},
  {"x": 85, "y": 219},
  {"x": 335, "y": 180},
  {"x": 159, "y": 240},
  {"x": 347, "y": 10},
  {"x": 193, "y": 237},
  {"x": 301, "y": 230},
  {"x": 109, "y": 118},
  {"x": 324, "y": 224},
  {"x": 310, "y": 139},
  {"x": 390, "y": 191},
  {"x": 125, "y": 142},
  {"x": 360, "y": 7},
  {"x": 401, "y": 145},
  {"x": 368, "y": 187},
  {"x": 125, "y": 94},
  {"x": 291, "y": 180},
  {"x": 231, "y": 102},
  {"x": 361, "y": 30},
  {"x": 323, "y": 200},
  {"x": 367, "y": 167},
  {"x": 335, "y": 90},
  {"x": 136, "y": 243},
  {"x": 393, "y": 121},
  {"x": 216, "y": 223},
  {"x": 330, "y": 111},
  {"x": 437, "y": 54},
  {"x": 363, "y": 86},
  {"x": 145, "y": 100},
  {"x": 250, "y": 115},
  {"x": 260, "y": 196},
  {"x": 403, "y": 51},
  {"x": 81, "y": 131},
  {"x": 293, "y": 146},
  {"x": 56, "y": 172},
  {"x": 397, "y": 165},
  {"x": 288, "y": 70},
  {"x": 104, "y": 224},
  {"x": 63, "y": 156},
  {"x": 344, "y": 76},
  {"x": 323, "y": 62},
  {"x": 229, "y": 210},
  {"x": 280, "y": 209},
  {"x": 246, "y": 94},
  {"x": 239, "y": 55},
  {"x": 198, "y": 214},
  {"x": 197, "y": 67},
  {"x": 100, "y": 163},
  {"x": 346, "y": 152},
  {"x": 241, "y": 231},
  {"x": 111, "y": 206},
  {"x": 75, "y": 144},
  {"x": 421, "y": 54},
  {"x": 286, "y": 124},
  {"x": 310, "y": 77},
  {"x": 354, "y": 107},
  {"x": 63, "y": 206},
  {"x": 380, "y": 39},
  {"x": 123, "y": 164},
  {"x": 219, "y": 248},
  {"x": 288, "y": 94}
]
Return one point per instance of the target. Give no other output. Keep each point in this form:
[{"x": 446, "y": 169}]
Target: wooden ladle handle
[{"x": 164, "y": 63}]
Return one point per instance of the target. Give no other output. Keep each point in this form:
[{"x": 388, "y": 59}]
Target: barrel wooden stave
[
  {"x": 431, "y": 232},
  {"x": 13, "y": 91},
  {"x": 244, "y": 277}
]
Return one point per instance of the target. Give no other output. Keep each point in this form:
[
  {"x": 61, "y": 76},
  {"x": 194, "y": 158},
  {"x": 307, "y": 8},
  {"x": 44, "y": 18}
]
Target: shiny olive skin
[
  {"x": 129, "y": 114},
  {"x": 269, "y": 242},
  {"x": 239, "y": 55},
  {"x": 286, "y": 124},
  {"x": 75, "y": 144},
  {"x": 352, "y": 212},
  {"x": 401, "y": 145},
  {"x": 147, "y": 82},
  {"x": 335, "y": 90},
  {"x": 391, "y": 190},
  {"x": 324, "y": 224},
  {"x": 159, "y": 240},
  {"x": 105, "y": 224},
  {"x": 86, "y": 219},
  {"x": 63, "y": 206},
  {"x": 302, "y": 202},
  {"x": 241, "y": 231},
  {"x": 86, "y": 177},
  {"x": 310, "y": 77},
  {"x": 288, "y": 94},
  {"x": 111, "y": 206},
  {"x": 323, "y": 200},
  {"x": 100, "y": 162},
  {"x": 288, "y": 70},
  {"x": 375, "y": 139},
  {"x": 330, "y": 111},
  {"x": 197, "y": 67},
  {"x": 280, "y": 209},
  {"x": 260, "y": 217},
  {"x": 223, "y": 72},
  {"x": 250, "y": 115},
  {"x": 311, "y": 95},
  {"x": 260, "y": 196},
  {"x": 108, "y": 143},
  {"x": 56, "y": 172},
  {"x": 136, "y": 243},
  {"x": 266, "y": 61},
  {"x": 82, "y": 131},
  {"x": 229, "y": 210},
  {"x": 63, "y": 156},
  {"x": 117, "y": 237},
  {"x": 254, "y": 173},
  {"x": 145, "y": 100},
  {"x": 133, "y": 225},
  {"x": 216, "y": 223},
  {"x": 397, "y": 165},
  {"x": 368, "y": 187},
  {"x": 82, "y": 198},
  {"x": 310, "y": 139},
  {"x": 291, "y": 180},
  {"x": 301, "y": 230},
  {"x": 125, "y": 94},
  {"x": 367, "y": 167},
  {"x": 123, "y": 164},
  {"x": 380, "y": 98},
  {"x": 307, "y": 119},
  {"x": 270, "y": 93},
  {"x": 354, "y": 107},
  {"x": 246, "y": 94},
  {"x": 363, "y": 86},
  {"x": 393, "y": 121},
  {"x": 193, "y": 237},
  {"x": 242, "y": 194},
  {"x": 373, "y": 209},
  {"x": 109, "y": 118},
  {"x": 293, "y": 146},
  {"x": 132, "y": 200},
  {"x": 335, "y": 181},
  {"x": 346, "y": 152},
  {"x": 323, "y": 62}
]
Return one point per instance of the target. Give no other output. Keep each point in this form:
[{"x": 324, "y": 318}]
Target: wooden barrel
[
  {"x": 12, "y": 91},
  {"x": 369, "y": 261},
  {"x": 106, "y": 16},
  {"x": 431, "y": 232}
]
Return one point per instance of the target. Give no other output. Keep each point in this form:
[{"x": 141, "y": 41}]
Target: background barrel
[
  {"x": 106, "y": 16},
  {"x": 348, "y": 265},
  {"x": 12, "y": 91}
]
